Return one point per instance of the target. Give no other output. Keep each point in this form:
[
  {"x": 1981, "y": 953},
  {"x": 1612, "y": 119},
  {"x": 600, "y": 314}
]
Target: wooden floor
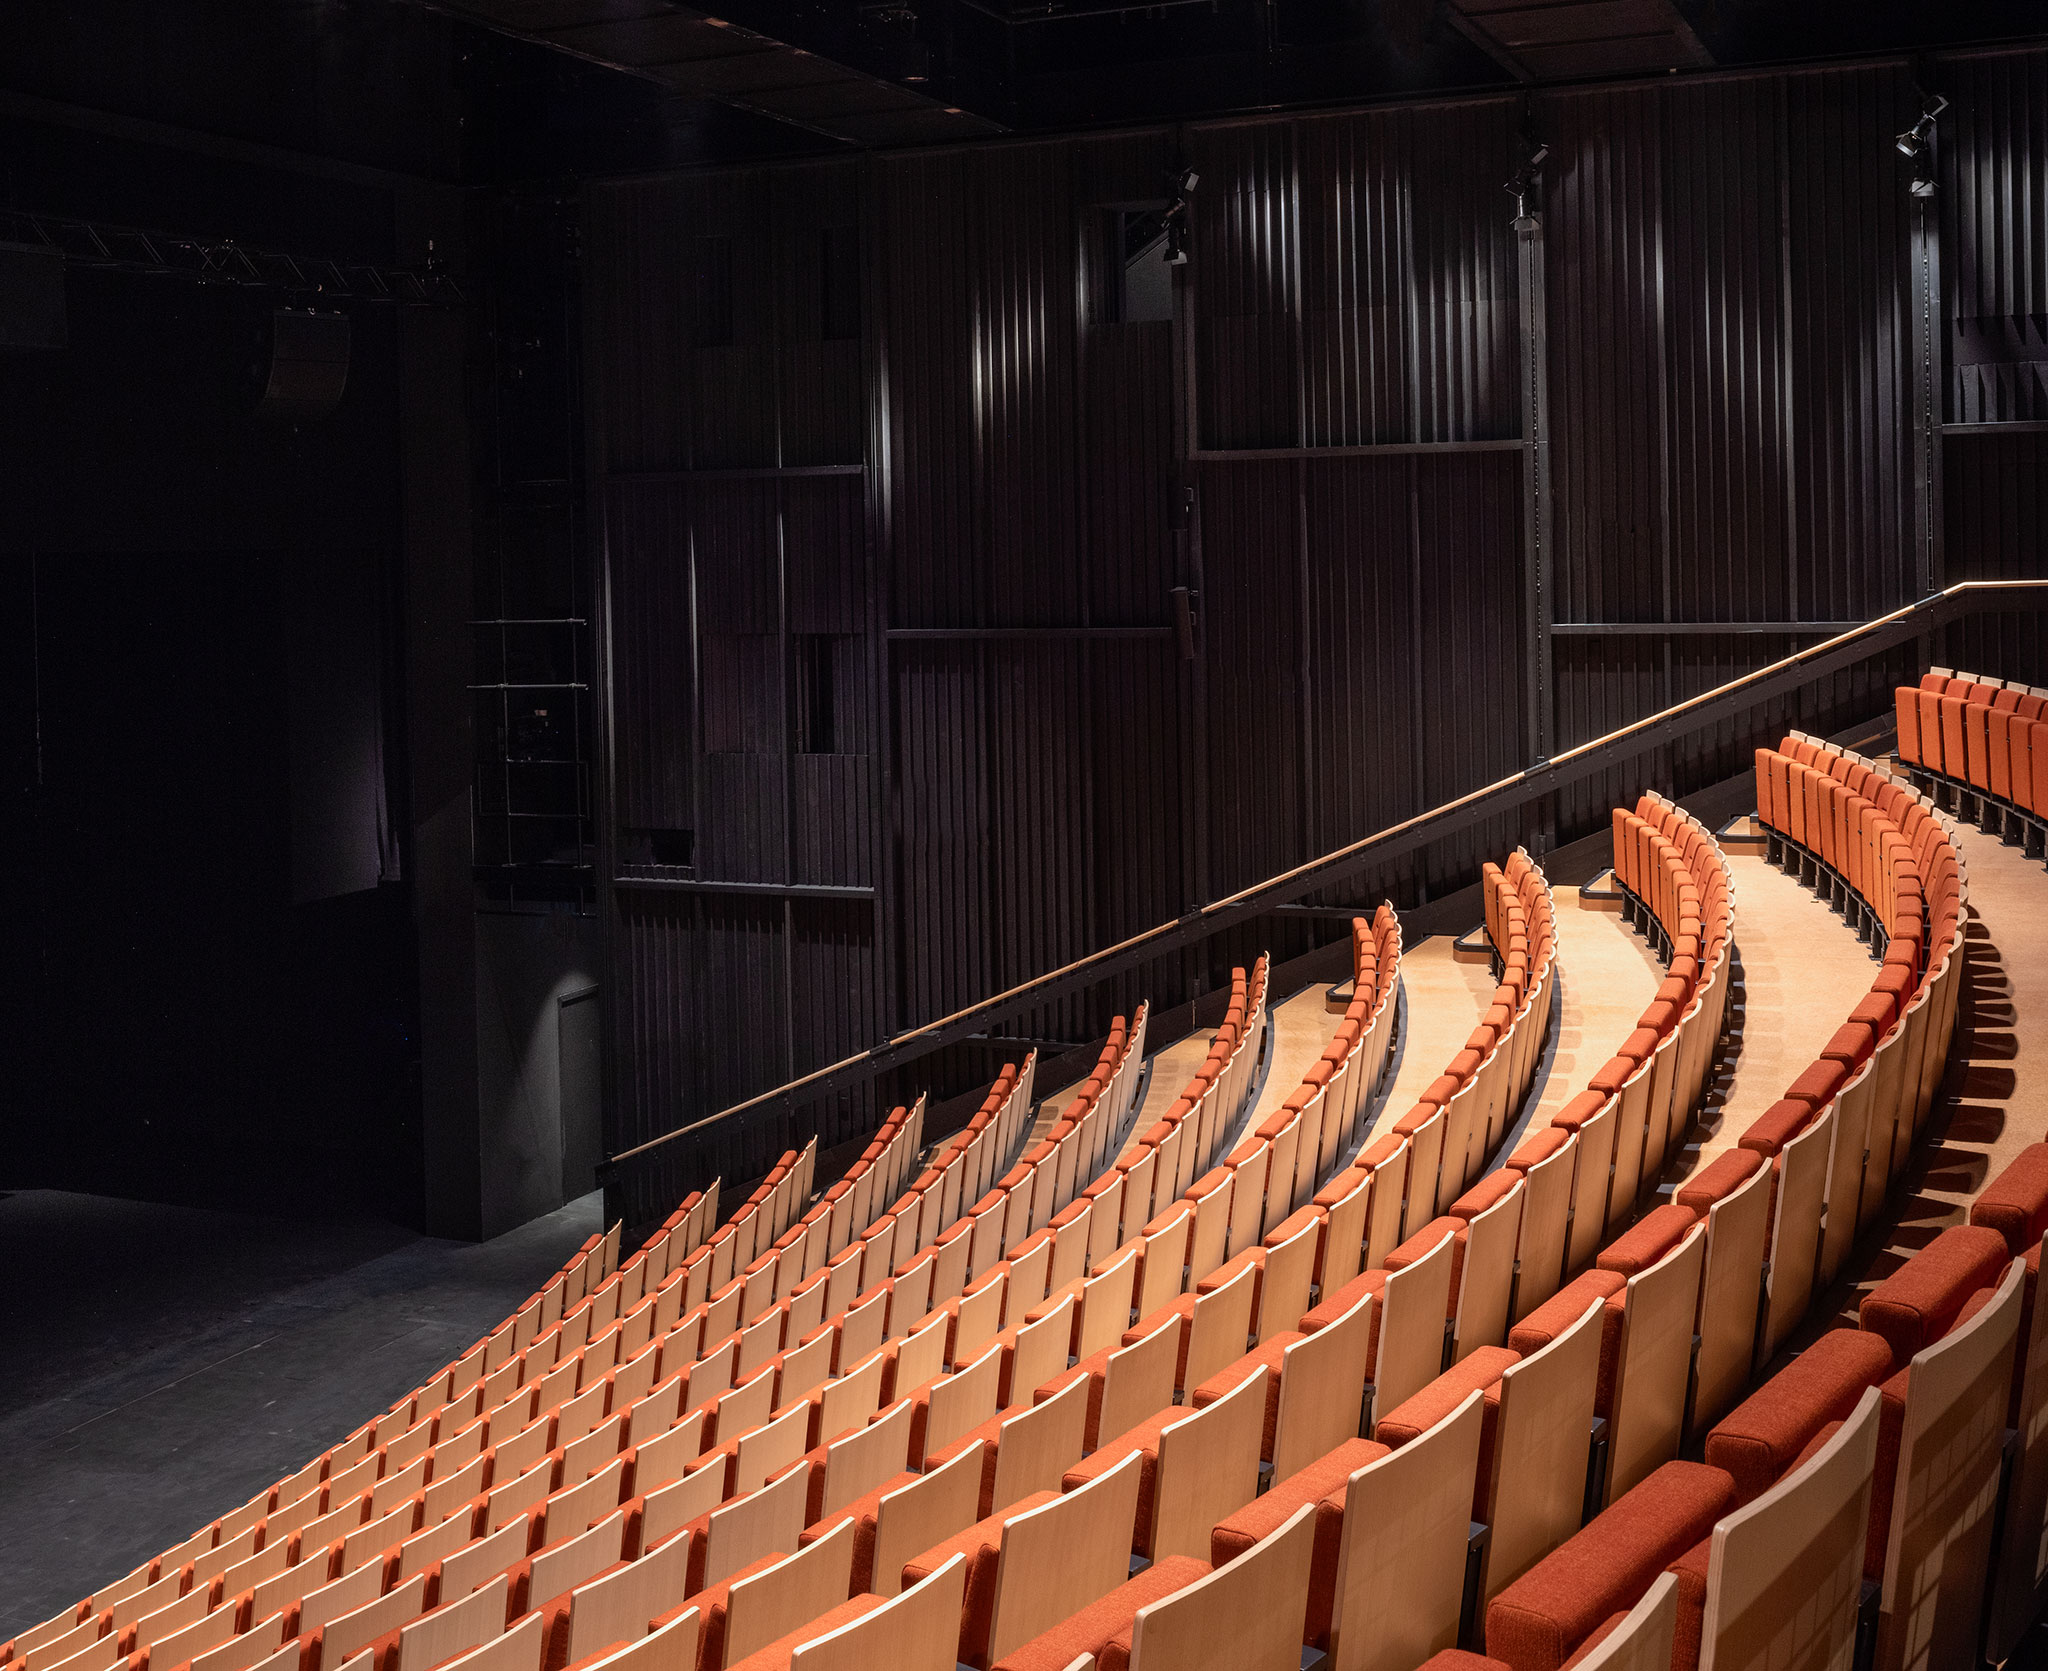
[
  {"x": 1301, "y": 1033},
  {"x": 1172, "y": 1067},
  {"x": 1446, "y": 997},
  {"x": 1607, "y": 975},
  {"x": 1798, "y": 971}
]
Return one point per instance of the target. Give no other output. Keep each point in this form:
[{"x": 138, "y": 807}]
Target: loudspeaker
[
  {"x": 308, "y": 365},
  {"x": 31, "y": 297}
]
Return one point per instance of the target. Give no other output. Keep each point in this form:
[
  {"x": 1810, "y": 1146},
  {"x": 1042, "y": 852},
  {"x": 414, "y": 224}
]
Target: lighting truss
[{"x": 127, "y": 249}]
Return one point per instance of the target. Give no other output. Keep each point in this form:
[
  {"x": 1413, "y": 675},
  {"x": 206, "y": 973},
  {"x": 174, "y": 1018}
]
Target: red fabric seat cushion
[
  {"x": 1818, "y": 1083},
  {"x": 1323, "y": 1482},
  {"x": 1096, "y": 1626},
  {"x": 1916, "y": 1305},
  {"x": 1490, "y": 1191},
  {"x": 1776, "y": 1126},
  {"x": 1849, "y": 1044},
  {"x": 1539, "y": 1147},
  {"x": 1719, "y": 1179},
  {"x": 1757, "y": 1441},
  {"x": 1539, "y": 1620},
  {"x": 1580, "y": 1109},
  {"x": 1327, "y": 1310},
  {"x": 1655, "y": 1234},
  {"x": 1612, "y": 1075},
  {"x": 2015, "y": 1203}
]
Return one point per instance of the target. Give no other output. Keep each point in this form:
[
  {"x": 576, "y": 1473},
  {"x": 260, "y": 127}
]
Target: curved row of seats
[
  {"x": 531, "y": 1393},
  {"x": 1700, "y": 1263},
  {"x": 1073, "y": 1471},
  {"x": 1839, "y": 1137},
  {"x": 1290, "y": 1405},
  {"x": 1018, "y": 1514},
  {"x": 1873, "y": 1467},
  {"x": 1510, "y": 1242},
  {"x": 1038, "y": 1340},
  {"x": 1480, "y": 1404},
  {"x": 1636, "y": 1105},
  {"x": 1200, "y": 1121},
  {"x": 666, "y": 1414},
  {"x": 1462, "y": 1115},
  {"x": 1503, "y": 1436},
  {"x": 1980, "y": 735}
]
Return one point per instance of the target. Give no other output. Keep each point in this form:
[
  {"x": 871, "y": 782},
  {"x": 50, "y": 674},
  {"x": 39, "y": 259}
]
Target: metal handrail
[{"x": 1545, "y": 777}]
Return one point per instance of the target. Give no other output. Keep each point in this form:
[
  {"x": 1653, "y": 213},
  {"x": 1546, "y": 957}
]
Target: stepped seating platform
[{"x": 1241, "y": 1383}]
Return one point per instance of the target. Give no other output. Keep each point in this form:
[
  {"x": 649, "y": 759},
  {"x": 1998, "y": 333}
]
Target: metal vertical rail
[
  {"x": 1538, "y": 525},
  {"x": 1924, "y": 236}
]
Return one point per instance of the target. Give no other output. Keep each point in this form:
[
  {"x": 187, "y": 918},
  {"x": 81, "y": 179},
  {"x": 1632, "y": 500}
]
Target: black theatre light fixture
[
  {"x": 1524, "y": 183},
  {"x": 1176, "y": 217},
  {"x": 1916, "y": 144}
]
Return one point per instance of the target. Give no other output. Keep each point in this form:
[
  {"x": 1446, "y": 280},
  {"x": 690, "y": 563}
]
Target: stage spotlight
[
  {"x": 1916, "y": 139},
  {"x": 1916, "y": 144},
  {"x": 1524, "y": 183},
  {"x": 1175, "y": 219}
]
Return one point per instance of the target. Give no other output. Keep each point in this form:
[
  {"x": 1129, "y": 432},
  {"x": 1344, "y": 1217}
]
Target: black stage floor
[{"x": 163, "y": 1364}]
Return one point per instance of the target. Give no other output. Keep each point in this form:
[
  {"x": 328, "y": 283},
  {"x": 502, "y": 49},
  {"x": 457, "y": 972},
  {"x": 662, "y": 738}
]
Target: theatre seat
[
  {"x": 1479, "y": 1372},
  {"x": 1324, "y": 1483},
  {"x": 1537, "y": 1622},
  {"x": 1102, "y": 1621},
  {"x": 1718, "y": 1179},
  {"x": 1917, "y": 1303},
  {"x": 2015, "y": 1203},
  {"x": 1566, "y": 1307},
  {"x": 1757, "y": 1441},
  {"x": 1658, "y": 1231}
]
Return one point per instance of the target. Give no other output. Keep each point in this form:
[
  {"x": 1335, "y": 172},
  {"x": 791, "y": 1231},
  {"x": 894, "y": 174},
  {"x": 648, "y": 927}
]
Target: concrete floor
[{"x": 166, "y": 1363}]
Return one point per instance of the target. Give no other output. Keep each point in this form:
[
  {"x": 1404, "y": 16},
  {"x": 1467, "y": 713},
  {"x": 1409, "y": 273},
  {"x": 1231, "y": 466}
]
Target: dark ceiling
[
  {"x": 485, "y": 91},
  {"x": 881, "y": 72}
]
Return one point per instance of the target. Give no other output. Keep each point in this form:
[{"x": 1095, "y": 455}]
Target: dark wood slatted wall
[
  {"x": 1996, "y": 485},
  {"x": 1021, "y": 764}
]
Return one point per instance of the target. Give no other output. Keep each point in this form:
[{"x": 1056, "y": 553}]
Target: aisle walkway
[
  {"x": 1301, "y": 1033},
  {"x": 1447, "y": 995},
  {"x": 1172, "y": 1068},
  {"x": 1607, "y": 974},
  {"x": 1798, "y": 971}
]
